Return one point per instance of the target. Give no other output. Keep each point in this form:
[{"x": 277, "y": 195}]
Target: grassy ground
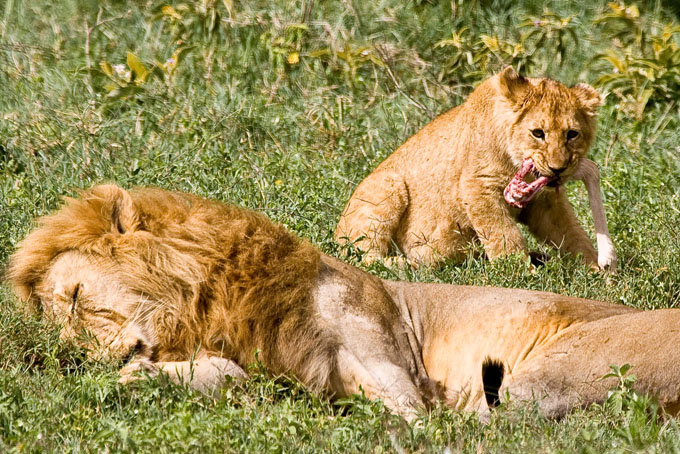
[{"x": 284, "y": 107}]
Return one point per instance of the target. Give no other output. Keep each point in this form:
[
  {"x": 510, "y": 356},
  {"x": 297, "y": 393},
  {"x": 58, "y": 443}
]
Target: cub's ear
[
  {"x": 513, "y": 86},
  {"x": 588, "y": 97},
  {"x": 116, "y": 205}
]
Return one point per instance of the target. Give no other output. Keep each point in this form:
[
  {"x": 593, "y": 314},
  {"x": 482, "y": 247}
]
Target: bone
[
  {"x": 590, "y": 175},
  {"x": 519, "y": 193}
]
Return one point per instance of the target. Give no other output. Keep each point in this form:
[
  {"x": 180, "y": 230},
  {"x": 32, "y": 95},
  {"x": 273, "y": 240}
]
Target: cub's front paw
[{"x": 606, "y": 254}]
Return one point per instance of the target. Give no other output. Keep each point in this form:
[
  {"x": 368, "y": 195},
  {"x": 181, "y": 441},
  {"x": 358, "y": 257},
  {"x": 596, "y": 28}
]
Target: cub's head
[
  {"x": 94, "y": 269},
  {"x": 552, "y": 124}
]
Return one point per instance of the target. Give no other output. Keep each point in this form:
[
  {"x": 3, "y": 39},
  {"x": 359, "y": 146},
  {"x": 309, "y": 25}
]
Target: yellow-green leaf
[
  {"x": 615, "y": 62},
  {"x": 139, "y": 71},
  {"x": 490, "y": 43},
  {"x": 106, "y": 68},
  {"x": 320, "y": 53},
  {"x": 170, "y": 11},
  {"x": 228, "y": 4},
  {"x": 642, "y": 101}
]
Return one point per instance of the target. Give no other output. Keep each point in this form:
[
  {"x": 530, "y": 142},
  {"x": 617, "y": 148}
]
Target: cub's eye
[
  {"x": 571, "y": 134},
  {"x": 538, "y": 133}
]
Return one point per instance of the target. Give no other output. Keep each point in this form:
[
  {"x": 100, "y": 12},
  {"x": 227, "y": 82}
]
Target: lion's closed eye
[{"x": 74, "y": 298}]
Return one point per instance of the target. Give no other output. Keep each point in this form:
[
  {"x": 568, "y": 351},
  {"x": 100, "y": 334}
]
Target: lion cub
[{"x": 445, "y": 186}]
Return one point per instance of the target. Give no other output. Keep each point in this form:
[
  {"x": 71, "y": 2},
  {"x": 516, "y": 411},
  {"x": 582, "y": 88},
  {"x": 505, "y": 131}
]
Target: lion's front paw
[
  {"x": 136, "y": 370},
  {"x": 228, "y": 367}
]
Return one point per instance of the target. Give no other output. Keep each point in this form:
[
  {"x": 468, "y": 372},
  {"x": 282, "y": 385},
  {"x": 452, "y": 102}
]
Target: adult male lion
[
  {"x": 159, "y": 278},
  {"x": 445, "y": 186}
]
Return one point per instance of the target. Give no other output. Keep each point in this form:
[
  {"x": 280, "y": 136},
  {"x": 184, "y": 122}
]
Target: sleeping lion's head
[
  {"x": 74, "y": 269},
  {"x": 156, "y": 274},
  {"x": 87, "y": 296},
  {"x": 552, "y": 124}
]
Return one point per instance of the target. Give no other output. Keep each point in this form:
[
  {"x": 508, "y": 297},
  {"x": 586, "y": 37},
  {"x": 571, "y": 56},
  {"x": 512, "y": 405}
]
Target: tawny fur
[
  {"x": 175, "y": 283},
  {"x": 443, "y": 188},
  {"x": 232, "y": 282}
]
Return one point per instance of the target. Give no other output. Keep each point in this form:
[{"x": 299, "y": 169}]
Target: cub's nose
[{"x": 557, "y": 171}]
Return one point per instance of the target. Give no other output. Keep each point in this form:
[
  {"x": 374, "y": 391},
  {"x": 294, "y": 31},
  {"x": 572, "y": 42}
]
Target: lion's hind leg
[
  {"x": 373, "y": 213},
  {"x": 569, "y": 372}
]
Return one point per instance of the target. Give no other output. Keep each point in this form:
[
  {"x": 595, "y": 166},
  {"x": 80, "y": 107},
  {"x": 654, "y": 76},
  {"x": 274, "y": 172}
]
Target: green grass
[{"x": 236, "y": 122}]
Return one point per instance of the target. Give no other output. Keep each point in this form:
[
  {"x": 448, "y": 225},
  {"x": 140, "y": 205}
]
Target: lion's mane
[{"x": 218, "y": 277}]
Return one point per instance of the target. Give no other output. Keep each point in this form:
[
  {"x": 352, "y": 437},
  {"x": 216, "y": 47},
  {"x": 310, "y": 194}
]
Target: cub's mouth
[{"x": 518, "y": 192}]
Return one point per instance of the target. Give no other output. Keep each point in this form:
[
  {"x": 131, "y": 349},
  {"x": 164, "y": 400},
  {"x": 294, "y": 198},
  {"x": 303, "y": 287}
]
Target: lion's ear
[
  {"x": 513, "y": 86},
  {"x": 588, "y": 98},
  {"x": 118, "y": 206}
]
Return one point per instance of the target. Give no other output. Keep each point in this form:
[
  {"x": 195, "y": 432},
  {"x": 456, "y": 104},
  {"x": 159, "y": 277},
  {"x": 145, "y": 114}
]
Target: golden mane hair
[{"x": 223, "y": 278}]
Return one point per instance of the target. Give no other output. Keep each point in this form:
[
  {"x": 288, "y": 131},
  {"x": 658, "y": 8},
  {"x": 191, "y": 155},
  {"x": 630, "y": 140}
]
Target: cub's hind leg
[
  {"x": 551, "y": 219},
  {"x": 372, "y": 214}
]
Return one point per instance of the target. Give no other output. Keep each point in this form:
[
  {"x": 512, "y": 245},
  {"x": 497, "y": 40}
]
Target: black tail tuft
[{"x": 492, "y": 378}]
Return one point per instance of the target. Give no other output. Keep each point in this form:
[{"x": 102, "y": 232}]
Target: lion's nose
[{"x": 136, "y": 349}]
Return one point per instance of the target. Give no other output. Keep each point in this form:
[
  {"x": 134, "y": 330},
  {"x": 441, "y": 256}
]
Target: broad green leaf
[
  {"x": 123, "y": 92},
  {"x": 320, "y": 53},
  {"x": 296, "y": 27},
  {"x": 616, "y": 62}
]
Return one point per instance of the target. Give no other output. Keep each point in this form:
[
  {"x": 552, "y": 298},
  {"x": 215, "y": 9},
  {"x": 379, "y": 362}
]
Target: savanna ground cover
[{"x": 284, "y": 106}]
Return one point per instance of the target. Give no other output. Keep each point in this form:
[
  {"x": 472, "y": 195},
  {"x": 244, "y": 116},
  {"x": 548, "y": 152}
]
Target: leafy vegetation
[
  {"x": 644, "y": 59},
  {"x": 284, "y": 107}
]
